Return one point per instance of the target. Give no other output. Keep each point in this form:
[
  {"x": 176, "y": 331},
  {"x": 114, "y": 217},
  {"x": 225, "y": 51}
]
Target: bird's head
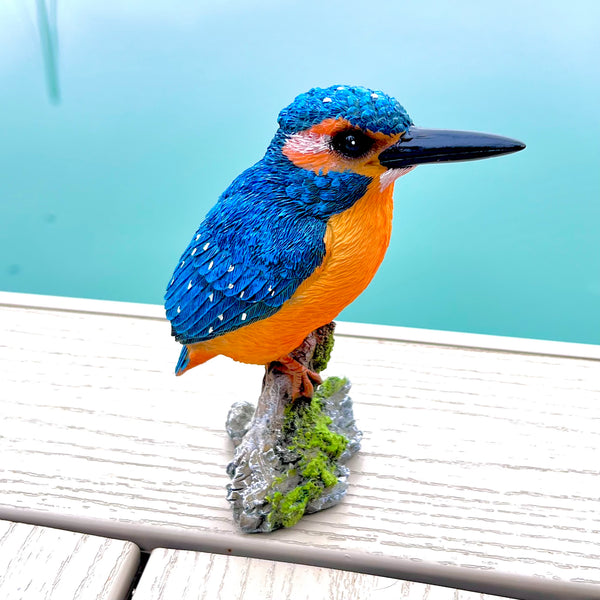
[{"x": 351, "y": 129}]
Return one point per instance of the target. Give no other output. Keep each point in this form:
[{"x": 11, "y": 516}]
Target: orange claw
[{"x": 302, "y": 377}]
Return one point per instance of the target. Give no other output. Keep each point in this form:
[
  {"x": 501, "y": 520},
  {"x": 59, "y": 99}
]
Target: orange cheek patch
[
  {"x": 319, "y": 161},
  {"x": 310, "y": 150}
]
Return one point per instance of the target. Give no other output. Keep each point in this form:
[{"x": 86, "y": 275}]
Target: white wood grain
[
  {"x": 188, "y": 575},
  {"x": 39, "y": 563},
  {"x": 344, "y": 328},
  {"x": 477, "y": 466}
]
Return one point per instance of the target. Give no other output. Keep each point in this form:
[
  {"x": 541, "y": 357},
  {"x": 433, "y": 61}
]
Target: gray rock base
[{"x": 271, "y": 484}]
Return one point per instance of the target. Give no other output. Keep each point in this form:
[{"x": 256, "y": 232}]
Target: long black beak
[{"x": 419, "y": 146}]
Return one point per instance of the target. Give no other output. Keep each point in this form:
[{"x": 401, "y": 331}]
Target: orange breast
[{"x": 355, "y": 242}]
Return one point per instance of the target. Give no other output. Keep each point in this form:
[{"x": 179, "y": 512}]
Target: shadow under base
[{"x": 290, "y": 455}]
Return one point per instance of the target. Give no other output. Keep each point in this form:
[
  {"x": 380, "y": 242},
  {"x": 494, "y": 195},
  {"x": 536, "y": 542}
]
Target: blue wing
[{"x": 250, "y": 254}]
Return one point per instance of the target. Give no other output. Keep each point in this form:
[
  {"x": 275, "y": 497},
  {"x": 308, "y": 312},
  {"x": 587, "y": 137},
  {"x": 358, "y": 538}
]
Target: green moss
[
  {"x": 322, "y": 354},
  {"x": 288, "y": 509},
  {"x": 319, "y": 469},
  {"x": 331, "y": 386},
  {"x": 307, "y": 435}
]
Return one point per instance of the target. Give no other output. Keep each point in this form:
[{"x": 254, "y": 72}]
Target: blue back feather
[{"x": 261, "y": 240}]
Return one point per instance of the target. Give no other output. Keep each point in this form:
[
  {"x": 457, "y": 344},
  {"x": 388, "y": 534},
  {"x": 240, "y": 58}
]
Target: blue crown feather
[{"x": 362, "y": 107}]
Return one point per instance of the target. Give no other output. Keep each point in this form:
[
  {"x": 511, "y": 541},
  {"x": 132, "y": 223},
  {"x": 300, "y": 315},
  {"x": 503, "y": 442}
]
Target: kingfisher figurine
[
  {"x": 299, "y": 235},
  {"x": 291, "y": 242}
]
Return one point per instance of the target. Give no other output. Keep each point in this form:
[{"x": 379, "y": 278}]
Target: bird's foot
[{"x": 303, "y": 379}]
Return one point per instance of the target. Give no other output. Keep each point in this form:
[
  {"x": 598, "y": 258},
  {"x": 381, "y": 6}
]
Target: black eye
[{"x": 351, "y": 143}]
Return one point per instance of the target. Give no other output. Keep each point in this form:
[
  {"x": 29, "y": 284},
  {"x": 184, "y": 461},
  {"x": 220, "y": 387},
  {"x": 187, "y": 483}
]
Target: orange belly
[{"x": 355, "y": 242}]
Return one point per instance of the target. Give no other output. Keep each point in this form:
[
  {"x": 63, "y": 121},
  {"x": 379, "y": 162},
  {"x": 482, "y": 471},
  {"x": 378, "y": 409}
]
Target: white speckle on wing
[
  {"x": 272, "y": 294},
  {"x": 210, "y": 266},
  {"x": 230, "y": 286},
  {"x": 197, "y": 237},
  {"x": 182, "y": 263},
  {"x": 374, "y": 96},
  {"x": 326, "y": 99},
  {"x": 178, "y": 309},
  {"x": 190, "y": 285},
  {"x": 341, "y": 87},
  {"x": 244, "y": 315},
  {"x": 205, "y": 247},
  {"x": 210, "y": 330},
  {"x": 210, "y": 297},
  {"x": 172, "y": 281},
  {"x": 241, "y": 294},
  {"x": 220, "y": 317},
  {"x": 270, "y": 289},
  {"x": 194, "y": 251},
  {"x": 231, "y": 268}
]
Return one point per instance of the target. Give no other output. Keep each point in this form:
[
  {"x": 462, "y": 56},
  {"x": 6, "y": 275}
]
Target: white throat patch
[{"x": 391, "y": 175}]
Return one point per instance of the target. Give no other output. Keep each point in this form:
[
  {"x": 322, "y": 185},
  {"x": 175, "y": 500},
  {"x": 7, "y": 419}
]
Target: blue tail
[{"x": 184, "y": 360}]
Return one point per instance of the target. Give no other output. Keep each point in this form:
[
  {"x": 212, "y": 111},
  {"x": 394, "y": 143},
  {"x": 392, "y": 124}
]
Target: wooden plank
[
  {"x": 198, "y": 576},
  {"x": 39, "y": 563},
  {"x": 477, "y": 467},
  {"x": 364, "y": 330}
]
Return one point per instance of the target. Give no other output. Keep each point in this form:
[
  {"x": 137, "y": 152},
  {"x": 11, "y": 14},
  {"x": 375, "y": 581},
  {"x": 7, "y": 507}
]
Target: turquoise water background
[{"x": 162, "y": 104}]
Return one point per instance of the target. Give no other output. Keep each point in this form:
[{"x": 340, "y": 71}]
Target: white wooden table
[
  {"x": 479, "y": 468},
  {"x": 38, "y": 563}
]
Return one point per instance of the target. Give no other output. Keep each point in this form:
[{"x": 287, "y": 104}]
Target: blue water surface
[{"x": 107, "y": 168}]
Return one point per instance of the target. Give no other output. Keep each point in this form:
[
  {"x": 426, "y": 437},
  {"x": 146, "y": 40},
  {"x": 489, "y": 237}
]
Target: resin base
[{"x": 290, "y": 456}]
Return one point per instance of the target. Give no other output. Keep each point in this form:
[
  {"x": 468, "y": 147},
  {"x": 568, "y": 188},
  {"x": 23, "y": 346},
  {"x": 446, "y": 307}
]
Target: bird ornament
[{"x": 299, "y": 235}]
